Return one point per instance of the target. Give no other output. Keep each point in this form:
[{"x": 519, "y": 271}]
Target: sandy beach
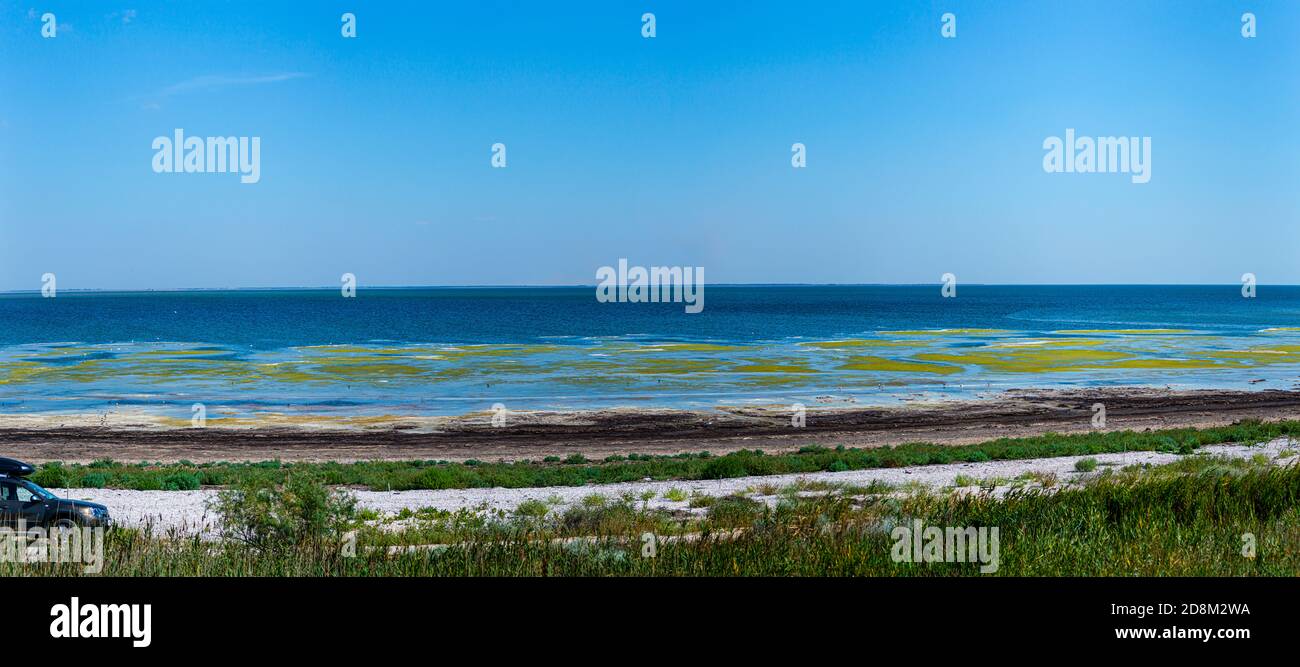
[{"x": 600, "y": 433}]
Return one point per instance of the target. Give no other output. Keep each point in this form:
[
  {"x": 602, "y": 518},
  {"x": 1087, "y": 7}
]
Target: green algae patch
[
  {"x": 88, "y": 370},
  {"x": 476, "y": 351},
  {"x": 62, "y": 352},
  {"x": 1124, "y": 332},
  {"x": 854, "y": 343},
  {"x": 18, "y": 372},
  {"x": 1026, "y": 360},
  {"x": 202, "y": 352},
  {"x": 881, "y": 364},
  {"x": 1278, "y": 354},
  {"x": 947, "y": 332},
  {"x": 376, "y": 371}
]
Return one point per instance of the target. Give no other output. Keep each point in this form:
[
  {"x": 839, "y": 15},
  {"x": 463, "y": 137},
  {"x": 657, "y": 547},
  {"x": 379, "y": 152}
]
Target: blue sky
[{"x": 924, "y": 153}]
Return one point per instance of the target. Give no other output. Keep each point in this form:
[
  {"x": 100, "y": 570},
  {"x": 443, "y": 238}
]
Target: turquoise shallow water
[{"x": 450, "y": 351}]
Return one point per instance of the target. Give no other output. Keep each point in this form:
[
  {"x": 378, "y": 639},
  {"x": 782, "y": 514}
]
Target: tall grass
[{"x": 1175, "y": 522}]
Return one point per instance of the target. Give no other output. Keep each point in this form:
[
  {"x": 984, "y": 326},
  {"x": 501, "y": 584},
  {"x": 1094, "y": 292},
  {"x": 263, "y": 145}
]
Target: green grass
[
  {"x": 533, "y": 508},
  {"x": 1185, "y": 519},
  {"x": 675, "y": 495},
  {"x": 576, "y": 470}
]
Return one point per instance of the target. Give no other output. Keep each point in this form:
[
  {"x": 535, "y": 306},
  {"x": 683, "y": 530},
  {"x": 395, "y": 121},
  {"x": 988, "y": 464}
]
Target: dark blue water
[{"x": 278, "y": 319}]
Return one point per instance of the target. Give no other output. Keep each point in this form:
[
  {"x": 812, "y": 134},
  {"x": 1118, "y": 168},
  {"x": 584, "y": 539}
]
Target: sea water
[{"x": 434, "y": 351}]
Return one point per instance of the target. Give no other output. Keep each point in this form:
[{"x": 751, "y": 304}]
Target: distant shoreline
[{"x": 592, "y": 286}]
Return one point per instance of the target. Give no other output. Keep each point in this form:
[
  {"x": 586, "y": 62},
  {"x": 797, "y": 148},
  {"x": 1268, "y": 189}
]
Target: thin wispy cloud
[
  {"x": 209, "y": 83},
  {"x": 219, "y": 81}
]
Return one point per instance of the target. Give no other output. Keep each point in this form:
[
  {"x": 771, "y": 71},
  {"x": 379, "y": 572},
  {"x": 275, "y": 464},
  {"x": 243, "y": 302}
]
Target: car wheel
[{"x": 65, "y": 526}]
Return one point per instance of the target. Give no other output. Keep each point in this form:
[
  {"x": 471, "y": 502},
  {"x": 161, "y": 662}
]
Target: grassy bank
[
  {"x": 577, "y": 470},
  {"x": 1187, "y": 519}
]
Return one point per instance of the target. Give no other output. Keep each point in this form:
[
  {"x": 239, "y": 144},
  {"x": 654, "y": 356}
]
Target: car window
[
  {"x": 36, "y": 490},
  {"x": 25, "y": 494},
  {"x": 6, "y": 491}
]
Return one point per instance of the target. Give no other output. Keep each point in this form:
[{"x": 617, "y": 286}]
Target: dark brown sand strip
[{"x": 597, "y": 434}]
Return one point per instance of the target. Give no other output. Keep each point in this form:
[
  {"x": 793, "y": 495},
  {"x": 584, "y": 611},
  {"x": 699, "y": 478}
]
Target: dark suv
[{"x": 25, "y": 500}]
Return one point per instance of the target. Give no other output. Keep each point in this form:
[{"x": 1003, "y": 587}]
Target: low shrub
[{"x": 300, "y": 511}]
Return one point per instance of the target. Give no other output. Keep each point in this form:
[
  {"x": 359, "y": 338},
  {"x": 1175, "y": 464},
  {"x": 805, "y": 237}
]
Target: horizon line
[{"x": 593, "y": 286}]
